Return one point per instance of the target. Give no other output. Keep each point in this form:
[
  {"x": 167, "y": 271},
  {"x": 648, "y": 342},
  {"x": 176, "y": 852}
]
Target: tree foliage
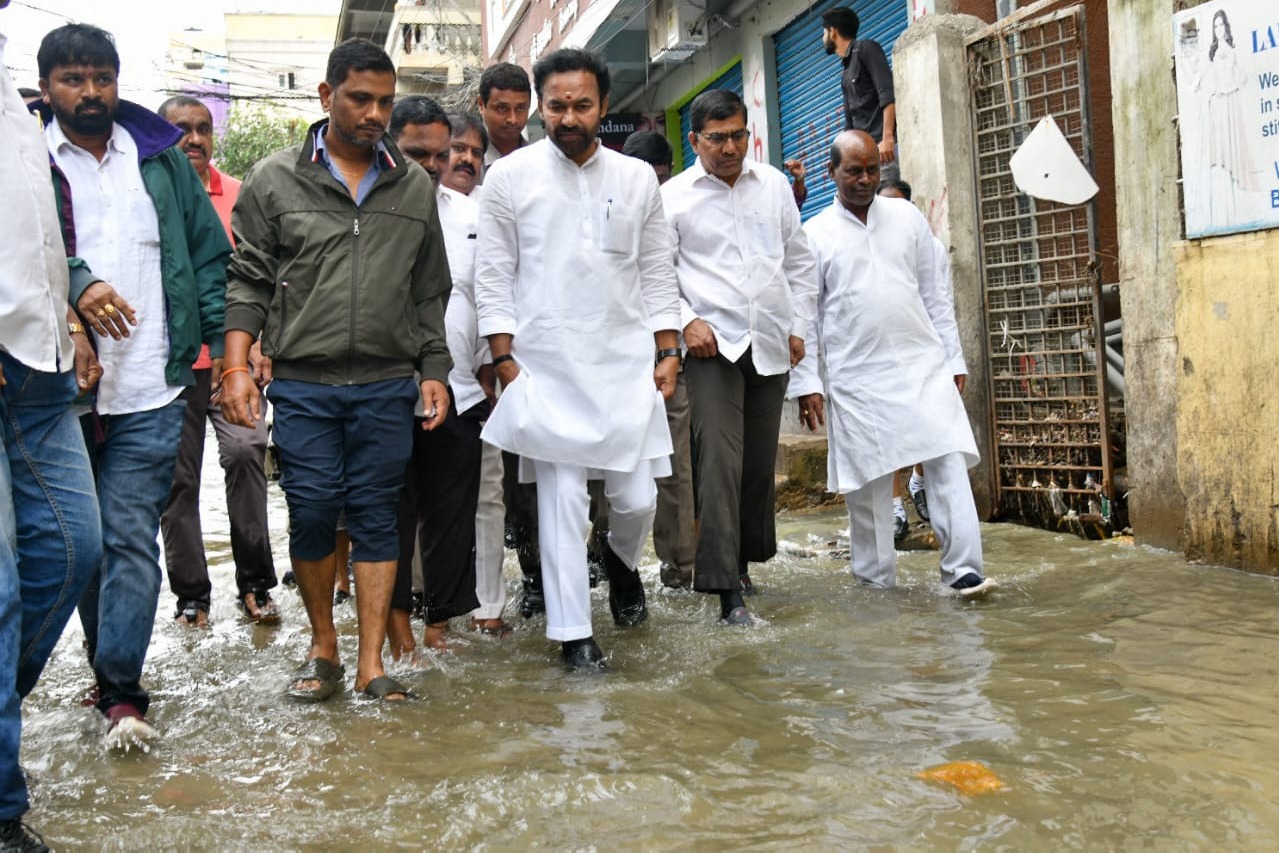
[{"x": 252, "y": 132}]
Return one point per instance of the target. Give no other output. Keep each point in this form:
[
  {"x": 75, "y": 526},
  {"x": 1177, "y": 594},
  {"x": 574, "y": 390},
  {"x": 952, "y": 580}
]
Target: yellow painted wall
[{"x": 1227, "y": 323}]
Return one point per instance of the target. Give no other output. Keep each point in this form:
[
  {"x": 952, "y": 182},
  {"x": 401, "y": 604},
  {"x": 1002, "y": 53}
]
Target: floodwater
[{"x": 1125, "y": 698}]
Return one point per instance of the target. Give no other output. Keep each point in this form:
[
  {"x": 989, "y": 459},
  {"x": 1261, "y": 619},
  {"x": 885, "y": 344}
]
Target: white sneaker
[{"x": 979, "y": 591}]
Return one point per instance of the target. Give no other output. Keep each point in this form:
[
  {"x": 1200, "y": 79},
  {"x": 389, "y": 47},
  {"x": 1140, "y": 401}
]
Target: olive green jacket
[{"x": 342, "y": 294}]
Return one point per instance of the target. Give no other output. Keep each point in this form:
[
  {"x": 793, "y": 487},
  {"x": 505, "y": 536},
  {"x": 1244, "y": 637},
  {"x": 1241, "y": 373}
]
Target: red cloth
[{"x": 223, "y": 191}]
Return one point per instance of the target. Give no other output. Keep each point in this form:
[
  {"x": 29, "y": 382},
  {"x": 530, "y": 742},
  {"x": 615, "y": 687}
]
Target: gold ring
[
  {"x": 110, "y": 309},
  {"x": 102, "y": 312}
]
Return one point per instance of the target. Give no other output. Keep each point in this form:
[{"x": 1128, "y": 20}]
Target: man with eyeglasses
[{"x": 748, "y": 289}]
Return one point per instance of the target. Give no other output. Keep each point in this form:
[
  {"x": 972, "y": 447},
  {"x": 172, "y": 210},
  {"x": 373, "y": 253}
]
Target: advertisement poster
[{"x": 1227, "y": 65}]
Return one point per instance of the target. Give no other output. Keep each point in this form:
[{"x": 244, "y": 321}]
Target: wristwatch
[
  {"x": 673, "y": 352},
  {"x": 75, "y": 328}
]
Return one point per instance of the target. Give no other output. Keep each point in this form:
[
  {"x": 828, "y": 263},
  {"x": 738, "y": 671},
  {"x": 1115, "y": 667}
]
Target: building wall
[
  {"x": 1227, "y": 415},
  {"x": 1149, "y": 223},
  {"x": 262, "y": 47},
  {"x": 443, "y": 43}
]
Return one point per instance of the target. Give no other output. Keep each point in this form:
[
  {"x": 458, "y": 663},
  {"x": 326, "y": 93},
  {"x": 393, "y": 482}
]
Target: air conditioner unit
[{"x": 676, "y": 31}]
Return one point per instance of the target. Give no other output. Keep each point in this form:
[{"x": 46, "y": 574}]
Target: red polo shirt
[{"x": 223, "y": 191}]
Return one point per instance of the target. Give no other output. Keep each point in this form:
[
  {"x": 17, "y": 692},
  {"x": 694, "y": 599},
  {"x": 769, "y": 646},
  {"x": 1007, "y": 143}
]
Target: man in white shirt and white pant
[
  {"x": 894, "y": 372},
  {"x": 573, "y": 315},
  {"x": 747, "y": 293}
]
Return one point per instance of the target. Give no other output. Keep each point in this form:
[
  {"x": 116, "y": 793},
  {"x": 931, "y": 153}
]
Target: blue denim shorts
[{"x": 343, "y": 447}]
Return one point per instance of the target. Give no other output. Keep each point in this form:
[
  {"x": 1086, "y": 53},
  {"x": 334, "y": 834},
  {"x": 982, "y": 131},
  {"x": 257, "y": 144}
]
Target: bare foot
[
  {"x": 399, "y": 636},
  {"x": 266, "y": 613},
  {"x": 193, "y": 618},
  {"x": 436, "y": 636}
]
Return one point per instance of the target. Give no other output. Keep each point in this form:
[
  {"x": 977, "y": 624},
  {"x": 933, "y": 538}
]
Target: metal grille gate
[{"x": 1040, "y": 287}]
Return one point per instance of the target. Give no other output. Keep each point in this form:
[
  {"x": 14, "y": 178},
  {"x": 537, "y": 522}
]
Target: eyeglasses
[{"x": 718, "y": 139}]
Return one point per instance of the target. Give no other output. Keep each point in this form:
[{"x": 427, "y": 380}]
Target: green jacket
[
  {"x": 341, "y": 294},
  {"x": 193, "y": 244}
]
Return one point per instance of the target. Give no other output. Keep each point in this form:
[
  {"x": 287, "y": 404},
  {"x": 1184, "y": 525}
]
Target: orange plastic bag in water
[{"x": 968, "y": 776}]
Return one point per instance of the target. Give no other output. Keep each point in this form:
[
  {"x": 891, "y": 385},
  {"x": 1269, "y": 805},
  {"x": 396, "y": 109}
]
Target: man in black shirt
[{"x": 867, "y": 80}]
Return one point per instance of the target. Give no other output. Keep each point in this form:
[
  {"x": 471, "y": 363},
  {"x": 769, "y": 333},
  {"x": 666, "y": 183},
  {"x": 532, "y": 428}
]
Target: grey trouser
[
  {"x": 736, "y": 416},
  {"x": 241, "y": 453}
]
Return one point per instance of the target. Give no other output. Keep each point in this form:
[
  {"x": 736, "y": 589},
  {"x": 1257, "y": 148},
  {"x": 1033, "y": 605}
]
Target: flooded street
[{"x": 1125, "y": 698}]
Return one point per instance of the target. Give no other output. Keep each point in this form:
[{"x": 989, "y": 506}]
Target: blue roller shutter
[
  {"x": 810, "y": 105},
  {"x": 731, "y": 80}
]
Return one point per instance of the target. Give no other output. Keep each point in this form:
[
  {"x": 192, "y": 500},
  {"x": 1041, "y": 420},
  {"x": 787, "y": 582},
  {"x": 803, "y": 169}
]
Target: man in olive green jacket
[{"x": 340, "y": 266}]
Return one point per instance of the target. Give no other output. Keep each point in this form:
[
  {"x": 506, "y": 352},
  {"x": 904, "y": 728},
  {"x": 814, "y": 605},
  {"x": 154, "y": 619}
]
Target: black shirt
[{"x": 867, "y": 83}]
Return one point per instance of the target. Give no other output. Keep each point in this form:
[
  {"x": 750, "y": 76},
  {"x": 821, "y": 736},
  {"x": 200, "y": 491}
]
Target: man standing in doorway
[
  {"x": 340, "y": 266},
  {"x": 894, "y": 372},
  {"x": 867, "y": 81},
  {"x": 143, "y": 221},
  {"x": 581, "y": 395},
  {"x": 241, "y": 452},
  {"x": 748, "y": 290}
]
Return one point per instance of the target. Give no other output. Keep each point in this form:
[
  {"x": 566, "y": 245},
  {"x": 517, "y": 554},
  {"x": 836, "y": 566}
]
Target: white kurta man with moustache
[{"x": 894, "y": 372}]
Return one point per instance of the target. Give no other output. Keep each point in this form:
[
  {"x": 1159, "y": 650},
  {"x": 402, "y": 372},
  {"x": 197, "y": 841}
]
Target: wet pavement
[{"x": 1125, "y": 698}]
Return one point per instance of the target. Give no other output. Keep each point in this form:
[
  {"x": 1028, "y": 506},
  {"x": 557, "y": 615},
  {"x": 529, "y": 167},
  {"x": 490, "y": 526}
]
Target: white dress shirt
[
  {"x": 459, "y": 218},
  {"x": 575, "y": 262},
  {"x": 743, "y": 262},
  {"x": 33, "y": 260},
  {"x": 118, "y": 235},
  {"x": 887, "y": 333}
]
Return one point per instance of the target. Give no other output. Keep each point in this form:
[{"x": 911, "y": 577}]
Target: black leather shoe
[
  {"x": 582, "y": 655},
  {"x": 625, "y": 591},
  {"x": 900, "y": 528},
  {"x": 533, "y": 601},
  {"x": 920, "y": 499},
  {"x": 594, "y": 567},
  {"x": 14, "y": 835}
]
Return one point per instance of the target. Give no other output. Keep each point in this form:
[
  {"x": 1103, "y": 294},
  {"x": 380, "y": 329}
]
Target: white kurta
[
  {"x": 886, "y": 329},
  {"x": 575, "y": 262}
]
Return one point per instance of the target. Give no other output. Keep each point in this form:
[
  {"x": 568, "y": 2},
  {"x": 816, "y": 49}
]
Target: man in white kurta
[
  {"x": 574, "y": 289},
  {"x": 894, "y": 371}
]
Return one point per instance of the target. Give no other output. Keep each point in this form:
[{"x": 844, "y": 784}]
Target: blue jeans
[
  {"x": 50, "y": 542},
  {"x": 133, "y": 464}
]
